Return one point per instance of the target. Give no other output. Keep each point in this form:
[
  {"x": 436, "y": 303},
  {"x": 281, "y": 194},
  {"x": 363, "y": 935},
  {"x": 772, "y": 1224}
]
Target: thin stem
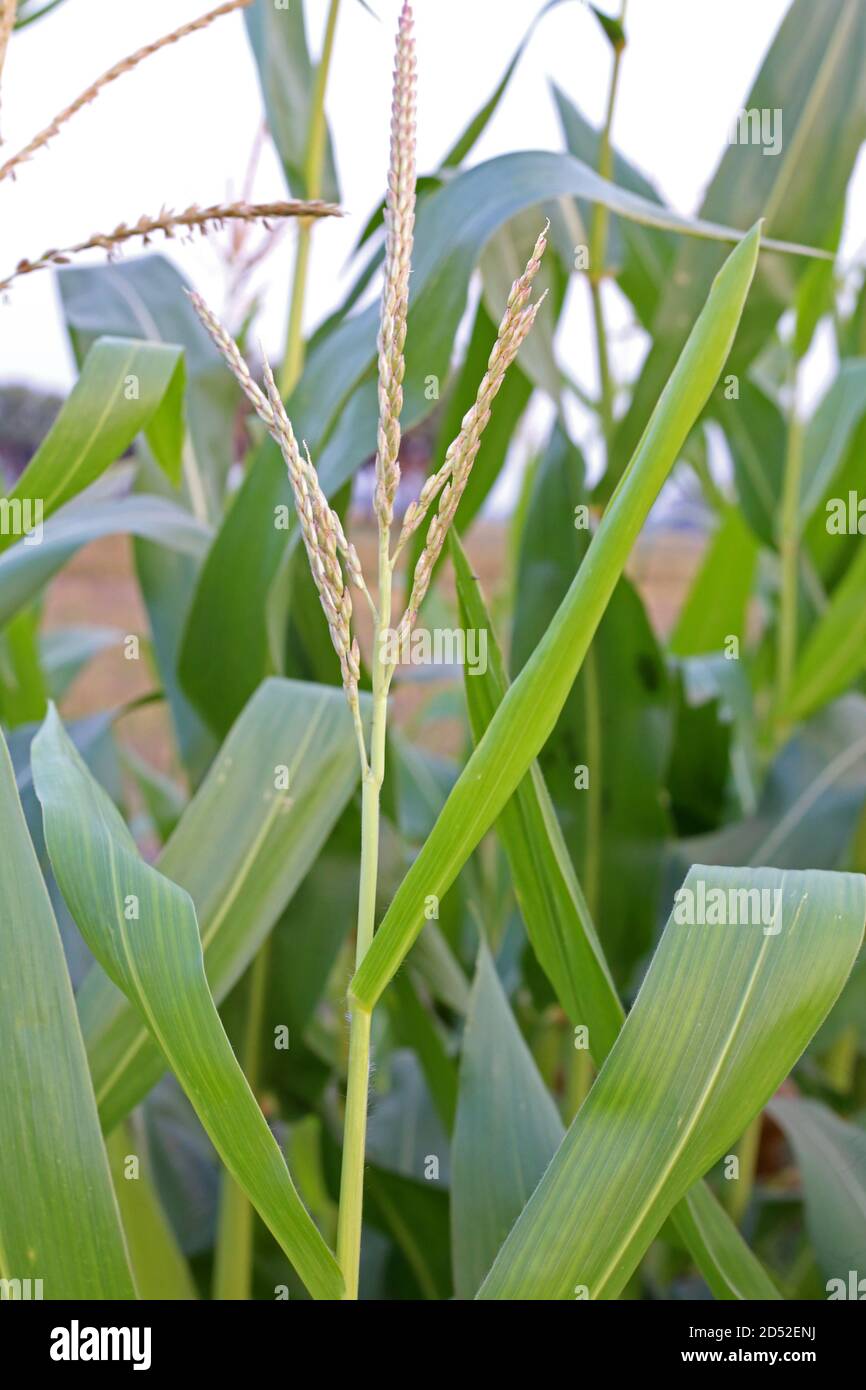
[
  {"x": 598, "y": 251},
  {"x": 840, "y": 1063},
  {"x": 789, "y": 548},
  {"x": 578, "y": 1078},
  {"x": 233, "y": 1266},
  {"x": 747, "y": 1156},
  {"x": 593, "y": 843},
  {"x": 355, "y": 1126},
  {"x": 314, "y": 162},
  {"x": 293, "y": 362},
  {"x": 605, "y": 380}
]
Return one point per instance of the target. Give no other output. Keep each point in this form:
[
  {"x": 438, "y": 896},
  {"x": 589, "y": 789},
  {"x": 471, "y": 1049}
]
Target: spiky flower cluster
[
  {"x": 453, "y": 476},
  {"x": 168, "y": 223},
  {"x": 321, "y": 528},
  {"x": 399, "y": 232},
  {"x": 333, "y": 560}
]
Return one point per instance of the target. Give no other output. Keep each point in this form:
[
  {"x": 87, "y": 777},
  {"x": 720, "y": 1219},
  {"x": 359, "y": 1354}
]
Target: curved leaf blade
[
  {"x": 813, "y": 84},
  {"x": 25, "y": 569},
  {"x": 532, "y": 705},
  {"x": 551, "y": 900},
  {"x": 143, "y": 930},
  {"x": 723, "y": 1014},
  {"x": 124, "y": 387},
  {"x": 240, "y": 855},
  {"x": 831, "y": 1155},
  {"x": 506, "y": 1133},
  {"x": 59, "y": 1220},
  {"x": 563, "y": 936}
]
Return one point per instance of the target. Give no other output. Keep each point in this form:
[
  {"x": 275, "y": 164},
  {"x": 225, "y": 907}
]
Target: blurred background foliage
[{"x": 721, "y": 710}]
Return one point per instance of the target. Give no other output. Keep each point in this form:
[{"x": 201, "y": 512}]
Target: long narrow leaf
[
  {"x": 142, "y": 928},
  {"x": 529, "y": 712},
  {"x": 59, "y": 1221},
  {"x": 832, "y": 1159},
  {"x": 240, "y": 851},
  {"x": 722, "y": 1016},
  {"x": 564, "y": 939},
  {"x": 124, "y": 387}
]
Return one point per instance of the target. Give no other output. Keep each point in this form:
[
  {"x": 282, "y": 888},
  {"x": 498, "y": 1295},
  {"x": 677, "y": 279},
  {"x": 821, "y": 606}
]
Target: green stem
[
  {"x": 789, "y": 549},
  {"x": 233, "y": 1265},
  {"x": 598, "y": 250},
  {"x": 593, "y": 841},
  {"x": 606, "y": 393},
  {"x": 747, "y": 1155},
  {"x": 314, "y": 164},
  {"x": 578, "y": 1078},
  {"x": 840, "y": 1063},
  {"x": 355, "y": 1125}
]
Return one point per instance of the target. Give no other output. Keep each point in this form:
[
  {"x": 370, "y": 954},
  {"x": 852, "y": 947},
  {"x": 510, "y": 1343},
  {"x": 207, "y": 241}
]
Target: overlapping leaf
[
  {"x": 59, "y": 1221},
  {"x": 532, "y": 705},
  {"x": 722, "y": 1016},
  {"x": 143, "y": 930},
  {"x": 240, "y": 851}
]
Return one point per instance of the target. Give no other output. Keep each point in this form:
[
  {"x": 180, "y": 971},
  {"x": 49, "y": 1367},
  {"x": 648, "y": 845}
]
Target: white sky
[{"x": 179, "y": 129}]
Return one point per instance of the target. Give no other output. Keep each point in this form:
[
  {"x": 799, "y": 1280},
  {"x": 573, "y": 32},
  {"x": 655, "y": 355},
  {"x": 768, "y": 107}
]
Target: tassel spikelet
[
  {"x": 454, "y": 474},
  {"x": 399, "y": 231},
  {"x": 191, "y": 219},
  {"x": 321, "y": 528},
  {"x": 333, "y": 559}
]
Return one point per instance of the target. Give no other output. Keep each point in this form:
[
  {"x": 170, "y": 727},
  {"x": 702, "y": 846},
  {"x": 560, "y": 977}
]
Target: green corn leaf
[
  {"x": 722, "y": 1016},
  {"x": 812, "y": 84},
  {"x": 161, "y": 1272},
  {"x": 26, "y": 569},
  {"x": 551, "y": 900},
  {"x": 27, "y": 13},
  {"x": 142, "y": 929},
  {"x": 835, "y": 651},
  {"x": 66, "y": 651},
  {"x": 831, "y": 1155},
  {"x": 718, "y": 1249},
  {"x": 641, "y": 256},
  {"x": 59, "y": 1220},
  {"x": 507, "y": 1131},
  {"x": 617, "y": 721},
  {"x": 124, "y": 387},
  {"x": 144, "y": 299},
  {"x": 756, "y": 432},
  {"x": 717, "y": 604},
  {"x": 529, "y": 711},
  {"x": 415, "y": 1027},
  {"x": 223, "y": 652},
  {"x": 563, "y": 936},
  {"x": 828, "y": 438},
  {"x": 466, "y": 142},
  {"x": 287, "y": 75},
  {"x": 240, "y": 852},
  {"x": 810, "y": 803},
  {"x": 454, "y": 225}
]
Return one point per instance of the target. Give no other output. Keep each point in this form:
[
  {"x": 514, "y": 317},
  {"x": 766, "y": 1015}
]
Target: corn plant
[{"x": 549, "y": 1061}]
